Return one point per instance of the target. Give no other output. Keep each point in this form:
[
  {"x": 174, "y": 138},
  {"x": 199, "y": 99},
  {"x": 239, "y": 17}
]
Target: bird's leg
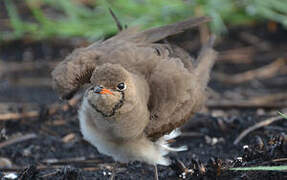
[
  {"x": 114, "y": 171},
  {"x": 155, "y": 172}
]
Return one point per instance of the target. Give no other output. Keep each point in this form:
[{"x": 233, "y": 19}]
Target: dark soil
[{"x": 57, "y": 151}]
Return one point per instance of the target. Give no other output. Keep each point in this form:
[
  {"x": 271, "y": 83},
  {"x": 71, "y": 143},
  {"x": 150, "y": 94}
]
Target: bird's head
[{"x": 111, "y": 88}]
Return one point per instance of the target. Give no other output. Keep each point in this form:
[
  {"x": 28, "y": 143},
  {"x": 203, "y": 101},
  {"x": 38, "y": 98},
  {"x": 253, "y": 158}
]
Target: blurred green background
[{"x": 42, "y": 19}]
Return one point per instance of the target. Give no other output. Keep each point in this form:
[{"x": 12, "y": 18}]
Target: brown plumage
[{"x": 163, "y": 88}]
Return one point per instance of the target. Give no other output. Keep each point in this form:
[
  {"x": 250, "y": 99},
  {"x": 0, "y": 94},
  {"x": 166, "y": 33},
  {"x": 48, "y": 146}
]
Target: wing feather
[{"x": 177, "y": 92}]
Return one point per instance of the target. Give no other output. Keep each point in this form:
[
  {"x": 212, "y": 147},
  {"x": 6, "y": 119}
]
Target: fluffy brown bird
[{"x": 139, "y": 91}]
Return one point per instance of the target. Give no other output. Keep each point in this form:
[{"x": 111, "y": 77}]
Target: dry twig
[
  {"x": 279, "y": 160},
  {"x": 228, "y": 104},
  {"x": 256, "y": 126},
  {"x": 17, "y": 139},
  {"x": 12, "y": 67},
  {"x": 268, "y": 98},
  {"x": 265, "y": 101},
  {"x": 203, "y": 28},
  {"x": 64, "y": 161},
  {"x": 255, "y": 41},
  {"x": 242, "y": 55},
  {"x": 29, "y": 82},
  {"x": 119, "y": 25},
  {"x": 191, "y": 134},
  {"x": 267, "y": 71},
  {"x": 8, "y": 116},
  {"x": 82, "y": 162},
  {"x": 33, "y": 114}
]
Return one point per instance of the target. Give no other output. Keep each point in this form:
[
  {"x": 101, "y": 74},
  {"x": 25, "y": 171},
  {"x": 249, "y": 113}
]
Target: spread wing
[
  {"x": 77, "y": 68},
  {"x": 159, "y": 33},
  {"x": 177, "y": 92}
]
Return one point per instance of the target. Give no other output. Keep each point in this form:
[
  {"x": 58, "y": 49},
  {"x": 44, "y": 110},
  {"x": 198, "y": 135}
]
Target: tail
[
  {"x": 205, "y": 61},
  {"x": 164, "y": 146},
  {"x": 159, "y": 33}
]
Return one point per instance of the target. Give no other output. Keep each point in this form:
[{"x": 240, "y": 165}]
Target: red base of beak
[{"x": 106, "y": 91}]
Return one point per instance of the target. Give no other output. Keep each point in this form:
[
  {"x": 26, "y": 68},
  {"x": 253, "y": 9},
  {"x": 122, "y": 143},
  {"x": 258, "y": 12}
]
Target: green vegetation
[
  {"x": 260, "y": 168},
  {"x": 91, "y": 19},
  {"x": 283, "y": 115},
  {"x": 263, "y": 168}
]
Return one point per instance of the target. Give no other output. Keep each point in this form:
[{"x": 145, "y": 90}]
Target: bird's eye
[
  {"x": 157, "y": 51},
  {"x": 121, "y": 86}
]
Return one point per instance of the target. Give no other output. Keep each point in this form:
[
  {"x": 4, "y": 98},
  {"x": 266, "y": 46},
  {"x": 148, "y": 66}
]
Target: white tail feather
[
  {"x": 173, "y": 134},
  {"x": 164, "y": 146},
  {"x": 181, "y": 148}
]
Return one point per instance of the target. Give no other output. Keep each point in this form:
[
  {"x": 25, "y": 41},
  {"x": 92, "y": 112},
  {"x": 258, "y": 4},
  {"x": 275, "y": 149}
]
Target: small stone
[
  {"x": 213, "y": 140},
  {"x": 239, "y": 159},
  {"x": 104, "y": 173},
  {"x": 68, "y": 138},
  {"x": 3, "y": 134},
  {"x": 217, "y": 113},
  {"x": 5, "y": 163},
  {"x": 245, "y": 147},
  {"x": 11, "y": 176},
  {"x": 27, "y": 151},
  {"x": 260, "y": 112}
]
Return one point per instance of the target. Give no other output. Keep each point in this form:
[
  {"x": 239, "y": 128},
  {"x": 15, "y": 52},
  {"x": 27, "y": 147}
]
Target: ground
[{"x": 40, "y": 137}]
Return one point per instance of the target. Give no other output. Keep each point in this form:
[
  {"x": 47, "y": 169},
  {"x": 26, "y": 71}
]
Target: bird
[{"x": 138, "y": 90}]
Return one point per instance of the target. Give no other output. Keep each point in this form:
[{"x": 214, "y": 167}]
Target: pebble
[
  {"x": 10, "y": 176},
  {"x": 5, "y": 163},
  {"x": 218, "y": 113}
]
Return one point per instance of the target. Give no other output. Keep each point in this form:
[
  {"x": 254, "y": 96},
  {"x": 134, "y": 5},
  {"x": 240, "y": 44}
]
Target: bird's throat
[{"x": 115, "y": 108}]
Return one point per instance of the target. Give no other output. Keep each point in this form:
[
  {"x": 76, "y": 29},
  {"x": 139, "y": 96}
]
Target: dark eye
[
  {"x": 157, "y": 51},
  {"x": 121, "y": 86}
]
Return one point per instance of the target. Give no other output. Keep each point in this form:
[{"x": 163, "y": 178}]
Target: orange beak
[{"x": 106, "y": 91}]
